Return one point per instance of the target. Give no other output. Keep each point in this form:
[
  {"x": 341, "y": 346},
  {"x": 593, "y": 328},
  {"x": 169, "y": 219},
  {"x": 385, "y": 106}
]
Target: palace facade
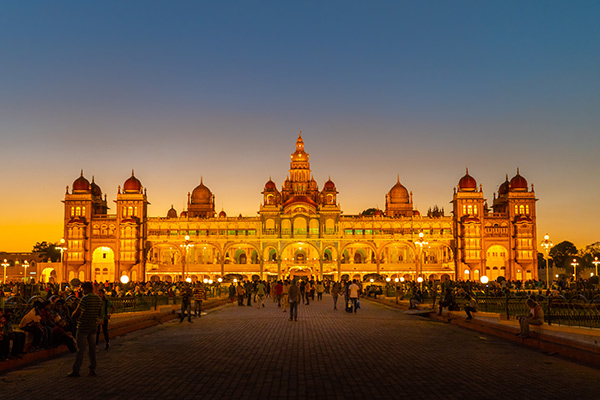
[{"x": 300, "y": 230}]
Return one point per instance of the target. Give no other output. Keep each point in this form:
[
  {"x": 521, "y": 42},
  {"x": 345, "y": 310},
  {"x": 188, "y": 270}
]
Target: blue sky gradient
[{"x": 183, "y": 89}]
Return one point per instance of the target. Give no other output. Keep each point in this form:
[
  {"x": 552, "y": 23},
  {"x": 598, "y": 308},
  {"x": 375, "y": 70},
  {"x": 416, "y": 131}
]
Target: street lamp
[
  {"x": 596, "y": 262},
  {"x": 575, "y": 264},
  {"x": 186, "y": 246},
  {"x": 547, "y": 244},
  {"x": 62, "y": 249},
  {"x": 5, "y": 264},
  {"x": 25, "y": 265},
  {"x": 420, "y": 243}
]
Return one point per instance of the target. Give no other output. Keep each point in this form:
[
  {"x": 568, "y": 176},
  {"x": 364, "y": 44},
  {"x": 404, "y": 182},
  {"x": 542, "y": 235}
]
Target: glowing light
[
  {"x": 210, "y": 281},
  {"x": 189, "y": 280},
  {"x": 484, "y": 279},
  {"x": 401, "y": 279},
  {"x": 420, "y": 279},
  {"x": 124, "y": 279},
  {"x": 219, "y": 280},
  {"x": 234, "y": 280},
  {"x": 205, "y": 280}
]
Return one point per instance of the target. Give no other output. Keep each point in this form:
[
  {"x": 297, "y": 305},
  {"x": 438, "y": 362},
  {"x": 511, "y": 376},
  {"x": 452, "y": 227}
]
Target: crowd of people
[{"x": 50, "y": 321}]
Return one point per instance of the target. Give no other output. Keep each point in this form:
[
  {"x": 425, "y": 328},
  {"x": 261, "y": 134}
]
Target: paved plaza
[{"x": 248, "y": 353}]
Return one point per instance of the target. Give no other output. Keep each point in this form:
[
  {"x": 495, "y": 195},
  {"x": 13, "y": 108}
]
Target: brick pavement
[{"x": 245, "y": 352}]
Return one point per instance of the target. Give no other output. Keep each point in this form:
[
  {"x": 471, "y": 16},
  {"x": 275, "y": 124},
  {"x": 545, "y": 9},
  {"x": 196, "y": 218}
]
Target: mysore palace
[{"x": 300, "y": 231}]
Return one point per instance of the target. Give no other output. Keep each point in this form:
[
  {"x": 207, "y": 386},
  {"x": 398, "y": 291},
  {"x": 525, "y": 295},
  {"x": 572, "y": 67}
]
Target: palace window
[{"x": 348, "y": 231}]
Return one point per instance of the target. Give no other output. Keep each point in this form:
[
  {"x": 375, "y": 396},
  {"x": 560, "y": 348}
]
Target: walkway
[{"x": 244, "y": 352}]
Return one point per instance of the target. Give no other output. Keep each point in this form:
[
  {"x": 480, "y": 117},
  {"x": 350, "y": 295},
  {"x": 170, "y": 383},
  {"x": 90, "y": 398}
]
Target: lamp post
[
  {"x": 596, "y": 262},
  {"x": 420, "y": 243},
  {"x": 186, "y": 246},
  {"x": 547, "y": 244},
  {"x": 62, "y": 249},
  {"x": 575, "y": 264},
  {"x": 5, "y": 264},
  {"x": 25, "y": 265}
]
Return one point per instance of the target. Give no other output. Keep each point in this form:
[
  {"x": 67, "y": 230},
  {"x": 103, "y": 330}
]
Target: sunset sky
[{"x": 179, "y": 90}]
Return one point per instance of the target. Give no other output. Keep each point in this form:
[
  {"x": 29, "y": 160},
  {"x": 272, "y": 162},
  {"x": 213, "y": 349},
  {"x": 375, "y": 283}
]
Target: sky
[{"x": 218, "y": 90}]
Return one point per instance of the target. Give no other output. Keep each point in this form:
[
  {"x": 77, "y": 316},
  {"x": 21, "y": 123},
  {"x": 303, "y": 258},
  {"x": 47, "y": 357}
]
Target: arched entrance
[
  {"x": 300, "y": 272},
  {"x": 103, "y": 265},
  {"x": 48, "y": 275},
  {"x": 495, "y": 261}
]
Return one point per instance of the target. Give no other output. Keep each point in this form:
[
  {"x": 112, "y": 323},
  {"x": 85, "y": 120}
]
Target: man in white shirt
[{"x": 353, "y": 290}]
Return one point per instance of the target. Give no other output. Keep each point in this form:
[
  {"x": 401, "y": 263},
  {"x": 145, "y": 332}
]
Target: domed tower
[
  {"x": 398, "y": 201},
  {"x": 172, "y": 213},
  {"x": 99, "y": 205},
  {"x": 79, "y": 204},
  {"x": 468, "y": 210},
  {"x": 329, "y": 194},
  {"x": 271, "y": 196},
  {"x": 132, "y": 217},
  {"x": 299, "y": 182},
  {"x": 201, "y": 202}
]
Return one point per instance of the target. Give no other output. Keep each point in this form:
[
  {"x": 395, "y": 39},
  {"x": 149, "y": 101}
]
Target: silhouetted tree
[
  {"x": 47, "y": 251},
  {"x": 563, "y": 253}
]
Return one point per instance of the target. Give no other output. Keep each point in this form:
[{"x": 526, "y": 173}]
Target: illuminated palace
[{"x": 300, "y": 231}]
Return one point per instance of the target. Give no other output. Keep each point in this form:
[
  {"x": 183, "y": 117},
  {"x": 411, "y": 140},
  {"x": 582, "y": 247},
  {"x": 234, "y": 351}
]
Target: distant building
[
  {"x": 22, "y": 266},
  {"x": 300, "y": 231}
]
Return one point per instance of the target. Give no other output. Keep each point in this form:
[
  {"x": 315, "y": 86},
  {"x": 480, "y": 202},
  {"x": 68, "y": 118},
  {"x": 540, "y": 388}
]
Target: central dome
[
  {"x": 201, "y": 194},
  {"x": 399, "y": 194}
]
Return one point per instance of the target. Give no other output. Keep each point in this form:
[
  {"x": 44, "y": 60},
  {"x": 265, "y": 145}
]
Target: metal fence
[{"x": 571, "y": 310}]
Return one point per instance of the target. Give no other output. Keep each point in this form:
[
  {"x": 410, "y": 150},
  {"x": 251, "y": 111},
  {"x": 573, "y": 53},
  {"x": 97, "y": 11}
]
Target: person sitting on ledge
[
  {"x": 535, "y": 317},
  {"x": 470, "y": 307}
]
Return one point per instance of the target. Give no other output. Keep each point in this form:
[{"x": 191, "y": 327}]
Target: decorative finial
[
  {"x": 506, "y": 177},
  {"x": 201, "y": 180},
  {"x": 398, "y": 178},
  {"x": 92, "y": 178},
  {"x": 518, "y": 171},
  {"x": 132, "y": 172},
  {"x": 67, "y": 189},
  {"x": 81, "y": 171},
  {"x": 467, "y": 170}
]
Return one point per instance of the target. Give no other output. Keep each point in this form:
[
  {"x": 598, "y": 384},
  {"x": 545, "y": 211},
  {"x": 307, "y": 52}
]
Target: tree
[
  {"x": 562, "y": 253},
  {"x": 47, "y": 251},
  {"x": 588, "y": 253},
  {"x": 369, "y": 211}
]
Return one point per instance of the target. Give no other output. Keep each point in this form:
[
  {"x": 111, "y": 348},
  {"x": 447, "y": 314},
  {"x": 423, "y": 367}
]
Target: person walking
[
  {"x": 107, "y": 310},
  {"x": 186, "y": 304},
  {"x": 232, "y": 293},
  {"x": 261, "y": 291},
  {"x": 335, "y": 292},
  {"x": 285, "y": 295},
  {"x": 199, "y": 294},
  {"x": 353, "y": 290},
  {"x": 294, "y": 298},
  {"x": 241, "y": 292},
  {"x": 303, "y": 293},
  {"x": 278, "y": 292},
  {"x": 320, "y": 290},
  {"x": 87, "y": 314}
]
